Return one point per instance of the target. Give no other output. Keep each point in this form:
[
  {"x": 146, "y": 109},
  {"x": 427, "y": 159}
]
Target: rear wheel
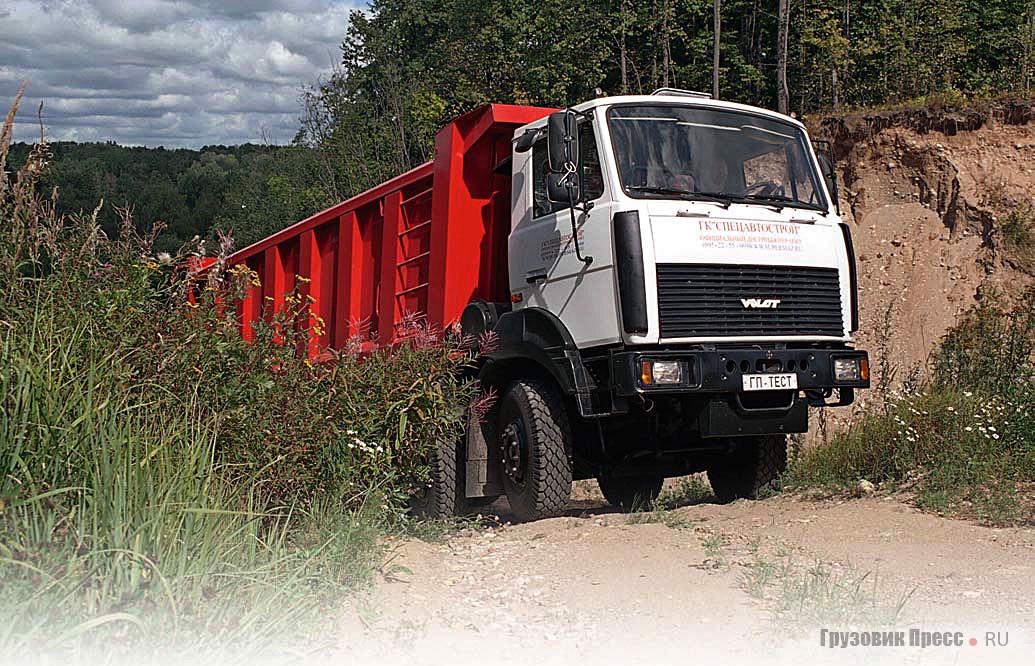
[
  {"x": 752, "y": 470},
  {"x": 535, "y": 449},
  {"x": 630, "y": 492},
  {"x": 442, "y": 495}
]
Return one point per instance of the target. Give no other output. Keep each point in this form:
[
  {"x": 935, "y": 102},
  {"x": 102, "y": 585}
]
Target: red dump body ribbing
[{"x": 424, "y": 243}]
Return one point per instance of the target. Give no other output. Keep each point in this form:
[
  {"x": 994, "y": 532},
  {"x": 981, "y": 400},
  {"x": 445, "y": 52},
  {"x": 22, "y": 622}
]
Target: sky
[{"x": 156, "y": 72}]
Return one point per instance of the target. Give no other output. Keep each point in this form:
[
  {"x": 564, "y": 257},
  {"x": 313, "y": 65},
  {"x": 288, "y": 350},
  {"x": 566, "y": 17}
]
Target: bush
[
  {"x": 966, "y": 439},
  {"x": 164, "y": 480},
  {"x": 1018, "y": 235}
]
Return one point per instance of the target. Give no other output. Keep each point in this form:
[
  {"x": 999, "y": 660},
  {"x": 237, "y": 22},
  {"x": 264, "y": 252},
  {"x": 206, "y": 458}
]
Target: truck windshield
[{"x": 666, "y": 151}]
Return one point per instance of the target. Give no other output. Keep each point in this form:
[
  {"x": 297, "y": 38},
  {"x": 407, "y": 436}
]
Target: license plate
[{"x": 770, "y": 382}]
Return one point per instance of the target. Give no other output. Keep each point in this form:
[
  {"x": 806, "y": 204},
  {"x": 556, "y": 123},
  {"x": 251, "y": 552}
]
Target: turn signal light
[
  {"x": 849, "y": 370},
  {"x": 656, "y": 373}
]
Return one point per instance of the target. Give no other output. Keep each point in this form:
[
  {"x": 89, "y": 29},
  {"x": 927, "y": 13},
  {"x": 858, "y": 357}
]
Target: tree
[
  {"x": 1027, "y": 41},
  {"x": 783, "y": 19},
  {"x": 716, "y": 11}
]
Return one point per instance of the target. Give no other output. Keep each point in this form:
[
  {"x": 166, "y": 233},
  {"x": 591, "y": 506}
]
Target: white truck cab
[
  {"x": 712, "y": 184},
  {"x": 682, "y": 289}
]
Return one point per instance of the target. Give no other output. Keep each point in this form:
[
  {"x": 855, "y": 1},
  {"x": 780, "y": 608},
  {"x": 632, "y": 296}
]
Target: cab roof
[{"x": 693, "y": 100}]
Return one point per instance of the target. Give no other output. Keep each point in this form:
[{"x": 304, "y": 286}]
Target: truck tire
[
  {"x": 535, "y": 449},
  {"x": 752, "y": 471},
  {"x": 442, "y": 495},
  {"x": 630, "y": 492}
]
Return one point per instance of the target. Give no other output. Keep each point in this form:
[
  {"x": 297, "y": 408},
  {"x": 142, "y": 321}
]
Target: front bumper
[{"x": 722, "y": 370}]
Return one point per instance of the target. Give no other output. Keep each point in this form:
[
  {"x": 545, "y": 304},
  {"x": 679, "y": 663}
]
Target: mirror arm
[
  {"x": 569, "y": 184},
  {"x": 529, "y": 137},
  {"x": 575, "y": 238}
]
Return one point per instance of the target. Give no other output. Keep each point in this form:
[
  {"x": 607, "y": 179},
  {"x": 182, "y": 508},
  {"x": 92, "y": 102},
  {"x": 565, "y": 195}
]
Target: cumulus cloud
[{"x": 159, "y": 72}]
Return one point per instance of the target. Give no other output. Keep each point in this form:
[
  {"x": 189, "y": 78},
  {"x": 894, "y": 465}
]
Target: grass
[
  {"x": 805, "y": 595},
  {"x": 964, "y": 442},
  {"x": 676, "y": 520},
  {"x": 440, "y": 531},
  {"x": 819, "y": 594},
  {"x": 167, "y": 488},
  {"x": 714, "y": 545},
  {"x": 691, "y": 490},
  {"x": 1018, "y": 233}
]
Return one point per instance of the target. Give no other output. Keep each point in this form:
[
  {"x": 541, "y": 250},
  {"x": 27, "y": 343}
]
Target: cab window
[{"x": 590, "y": 171}]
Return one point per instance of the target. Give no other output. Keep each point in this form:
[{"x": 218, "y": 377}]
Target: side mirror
[
  {"x": 562, "y": 139},
  {"x": 826, "y": 167},
  {"x": 524, "y": 143}
]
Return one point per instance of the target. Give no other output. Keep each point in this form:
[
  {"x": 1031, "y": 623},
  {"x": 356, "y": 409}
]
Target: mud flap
[{"x": 484, "y": 475}]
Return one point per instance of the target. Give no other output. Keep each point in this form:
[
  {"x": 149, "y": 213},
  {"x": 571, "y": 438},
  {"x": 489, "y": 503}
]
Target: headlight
[
  {"x": 653, "y": 373},
  {"x": 849, "y": 370}
]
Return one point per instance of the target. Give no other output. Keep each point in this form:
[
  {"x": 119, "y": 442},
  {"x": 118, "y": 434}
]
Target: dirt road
[{"x": 751, "y": 582}]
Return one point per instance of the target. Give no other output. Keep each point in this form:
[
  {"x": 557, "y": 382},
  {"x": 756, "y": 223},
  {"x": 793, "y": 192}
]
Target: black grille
[{"x": 699, "y": 300}]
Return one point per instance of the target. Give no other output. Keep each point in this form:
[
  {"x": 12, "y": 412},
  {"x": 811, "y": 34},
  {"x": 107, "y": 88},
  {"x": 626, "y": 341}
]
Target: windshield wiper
[
  {"x": 775, "y": 201},
  {"x": 689, "y": 195},
  {"x": 779, "y": 202}
]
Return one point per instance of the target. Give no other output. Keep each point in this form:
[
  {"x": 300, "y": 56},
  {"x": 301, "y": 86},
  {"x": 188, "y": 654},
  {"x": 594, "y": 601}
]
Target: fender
[
  {"x": 527, "y": 337},
  {"x": 534, "y": 335}
]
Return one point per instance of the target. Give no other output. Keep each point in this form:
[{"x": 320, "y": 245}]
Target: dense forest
[
  {"x": 248, "y": 190},
  {"x": 408, "y": 66}
]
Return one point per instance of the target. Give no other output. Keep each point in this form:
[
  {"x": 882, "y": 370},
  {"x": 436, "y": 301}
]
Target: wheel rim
[{"x": 512, "y": 443}]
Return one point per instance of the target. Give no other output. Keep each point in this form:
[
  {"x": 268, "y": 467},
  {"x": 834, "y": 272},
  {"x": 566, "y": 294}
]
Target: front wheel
[
  {"x": 535, "y": 449},
  {"x": 751, "y": 471},
  {"x": 630, "y": 492}
]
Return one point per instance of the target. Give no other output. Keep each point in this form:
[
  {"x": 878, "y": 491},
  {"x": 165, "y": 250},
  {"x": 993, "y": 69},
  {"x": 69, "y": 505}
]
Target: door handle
[{"x": 535, "y": 275}]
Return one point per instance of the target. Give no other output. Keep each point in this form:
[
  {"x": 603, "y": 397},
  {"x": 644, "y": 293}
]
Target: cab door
[{"x": 545, "y": 270}]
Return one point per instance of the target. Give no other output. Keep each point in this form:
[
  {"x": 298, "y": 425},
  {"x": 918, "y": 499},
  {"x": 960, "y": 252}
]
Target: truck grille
[{"x": 704, "y": 300}]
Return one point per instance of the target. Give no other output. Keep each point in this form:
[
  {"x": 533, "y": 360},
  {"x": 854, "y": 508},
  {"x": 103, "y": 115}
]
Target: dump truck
[{"x": 666, "y": 279}]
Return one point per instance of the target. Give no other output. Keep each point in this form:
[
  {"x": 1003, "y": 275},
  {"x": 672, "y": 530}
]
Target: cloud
[{"x": 158, "y": 72}]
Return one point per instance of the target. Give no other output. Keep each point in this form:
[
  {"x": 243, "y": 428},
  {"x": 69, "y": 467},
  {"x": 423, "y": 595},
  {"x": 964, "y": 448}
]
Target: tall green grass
[
  {"x": 963, "y": 441},
  {"x": 165, "y": 486}
]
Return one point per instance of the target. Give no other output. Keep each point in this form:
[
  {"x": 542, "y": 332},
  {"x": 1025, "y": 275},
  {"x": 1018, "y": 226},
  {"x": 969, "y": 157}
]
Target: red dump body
[{"x": 424, "y": 243}]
